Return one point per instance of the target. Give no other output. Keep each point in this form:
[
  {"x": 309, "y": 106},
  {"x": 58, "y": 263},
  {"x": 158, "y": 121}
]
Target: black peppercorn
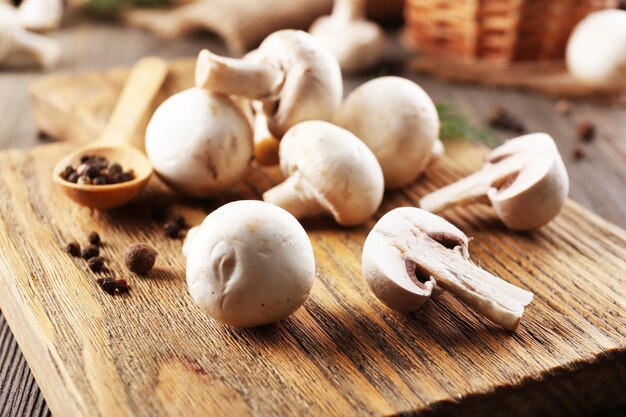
[
  {"x": 171, "y": 229},
  {"x": 73, "y": 248},
  {"x": 180, "y": 221},
  {"x": 108, "y": 284},
  {"x": 140, "y": 258},
  {"x": 90, "y": 252},
  {"x": 96, "y": 264},
  {"x": 122, "y": 286},
  {"x": 94, "y": 238}
]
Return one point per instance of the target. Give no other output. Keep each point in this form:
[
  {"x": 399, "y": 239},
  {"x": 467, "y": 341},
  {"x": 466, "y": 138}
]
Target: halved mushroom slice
[
  {"x": 524, "y": 180},
  {"x": 410, "y": 250}
]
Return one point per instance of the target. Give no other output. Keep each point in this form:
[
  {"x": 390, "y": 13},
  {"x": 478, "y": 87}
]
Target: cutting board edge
[{"x": 47, "y": 374}]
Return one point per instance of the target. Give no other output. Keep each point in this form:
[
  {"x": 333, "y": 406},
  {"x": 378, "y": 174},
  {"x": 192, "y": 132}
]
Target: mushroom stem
[
  {"x": 471, "y": 189},
  {"x": 293, "y": 197},
  {"x": 265, "y": 144},
  {"x": 349, "y": 9},
  {"x": 236, "y": 76},
  {"x": 29, "y": 47},
  {"x": 492, "y": 297}
]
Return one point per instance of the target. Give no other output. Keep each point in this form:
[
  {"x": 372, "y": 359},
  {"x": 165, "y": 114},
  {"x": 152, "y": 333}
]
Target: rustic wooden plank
[{"x": 153, "y": 353}]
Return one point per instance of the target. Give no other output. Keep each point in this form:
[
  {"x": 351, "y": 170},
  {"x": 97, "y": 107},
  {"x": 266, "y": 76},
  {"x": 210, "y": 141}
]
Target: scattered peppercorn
[
  {"x": 171, "y": 229},
  {"x": 96, "y": 170},
  {"x": 122, "y": 286},
  {"x": 96, "y": 264},
  {"x": 500, "y": 118},
  {"x": 108, "y": 284},
  {"x": 578, "y": 153},
  {"x": 140, "y": 258},
  {"x": 94, "y": 238},
  {"x": 111, "y": 285},
  {"x": 180, "y": 221},
  {"x": 586, "y": 131},
  {"x": 73, "y": 248},
  {"x": 90, "y": 252}
]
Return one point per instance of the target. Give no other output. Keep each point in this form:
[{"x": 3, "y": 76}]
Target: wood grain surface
[
  {"x": 597, "y": 180},
  {"x": 153, "y": 353}
]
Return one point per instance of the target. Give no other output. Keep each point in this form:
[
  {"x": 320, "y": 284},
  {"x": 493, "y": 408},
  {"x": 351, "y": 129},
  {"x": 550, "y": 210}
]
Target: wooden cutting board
[{"x": 153, "y": 353}]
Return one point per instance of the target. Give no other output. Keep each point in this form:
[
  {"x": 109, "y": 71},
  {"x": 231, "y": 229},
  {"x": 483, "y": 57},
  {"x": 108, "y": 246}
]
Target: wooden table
[{"x": 597, "y": 180}]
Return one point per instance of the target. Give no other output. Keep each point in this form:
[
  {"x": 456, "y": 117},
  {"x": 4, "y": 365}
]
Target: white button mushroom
[
  {"x": 294, "y": 76},
  {"x": 19, "y": 47},
  {"x": 250, "y": 263},
  {"x": 199, "y": 143},
  {"x": 398, "y": 121},
  {"x": 410, "y": 252},
  {"x": 357, "y": 43},
  {"x": 596, "y": 50},
  {"x": 41, "y": 15},
  {"x": 524, "y": 180},
  {"x": 329, "y": 170}
]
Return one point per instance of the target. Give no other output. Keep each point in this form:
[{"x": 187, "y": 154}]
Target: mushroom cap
[
  {"x": 336, "y": 168},
  {"x": 536, "y": 192},
  {"x": 250, "y": 263},
  {"x": 596, "y": 50},
  {"x": 41, "y": 15},
  {"x": 357, "y": 44},
  {"x": 388, "y": 273},
  {"x": 398, "y": 121},
  {"x": 312, "y": 88},
  {"x": 199, "y": 143}
]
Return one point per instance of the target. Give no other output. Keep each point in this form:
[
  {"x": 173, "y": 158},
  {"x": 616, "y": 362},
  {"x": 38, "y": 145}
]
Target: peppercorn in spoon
[{"x": 93, "y": 175}]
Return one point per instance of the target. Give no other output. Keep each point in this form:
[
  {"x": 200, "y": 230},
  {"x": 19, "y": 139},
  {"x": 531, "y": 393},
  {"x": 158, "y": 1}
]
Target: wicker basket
[{"x": 495, "y": 30}]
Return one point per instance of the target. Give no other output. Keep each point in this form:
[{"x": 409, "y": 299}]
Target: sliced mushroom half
[
  {"x": 524, "y": 180},
  {"x": 410, "y": 252}
]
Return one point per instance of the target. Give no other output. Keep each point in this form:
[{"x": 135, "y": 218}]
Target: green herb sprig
[
  {"x": 115, "y": 6},
  {"x": 456, "y": 126}
]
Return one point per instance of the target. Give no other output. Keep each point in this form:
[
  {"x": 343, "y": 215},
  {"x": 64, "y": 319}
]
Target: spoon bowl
[
  {"x": 141, "y": 87},
  {"x": 110, "y": 195}
]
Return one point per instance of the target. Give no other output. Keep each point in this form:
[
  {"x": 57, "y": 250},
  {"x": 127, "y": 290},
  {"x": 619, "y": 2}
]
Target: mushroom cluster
[
  {"x": 251, "y": 263},
  {"x": 410, "y": 253}
]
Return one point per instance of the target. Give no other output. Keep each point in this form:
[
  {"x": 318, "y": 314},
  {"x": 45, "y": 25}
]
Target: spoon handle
[{"x": 141, "y": 87}]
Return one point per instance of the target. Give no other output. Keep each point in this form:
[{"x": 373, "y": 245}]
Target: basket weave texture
[{"x": 496, "y": 30}]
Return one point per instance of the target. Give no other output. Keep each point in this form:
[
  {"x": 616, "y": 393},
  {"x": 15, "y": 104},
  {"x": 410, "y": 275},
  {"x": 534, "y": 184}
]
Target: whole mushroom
[
  {"x": 19, "y": 47},
  {"x": 357, "y": 43},
  {"x": 411, "y": 252},
  {"x": 398, "y": 121},
  {"x": 250, "y": 263},
  {"x": 199, "y": 143},
  {"x": 524, "y": 180},
  {"x": 41, "y": 15},
  {"x": 294, "y": 77},
  {"x": 596, "y": 50},
  {"x": 329, "y": 171}
]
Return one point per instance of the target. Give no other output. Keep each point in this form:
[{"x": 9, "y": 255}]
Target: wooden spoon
[{"x": 141, "y": 87}]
